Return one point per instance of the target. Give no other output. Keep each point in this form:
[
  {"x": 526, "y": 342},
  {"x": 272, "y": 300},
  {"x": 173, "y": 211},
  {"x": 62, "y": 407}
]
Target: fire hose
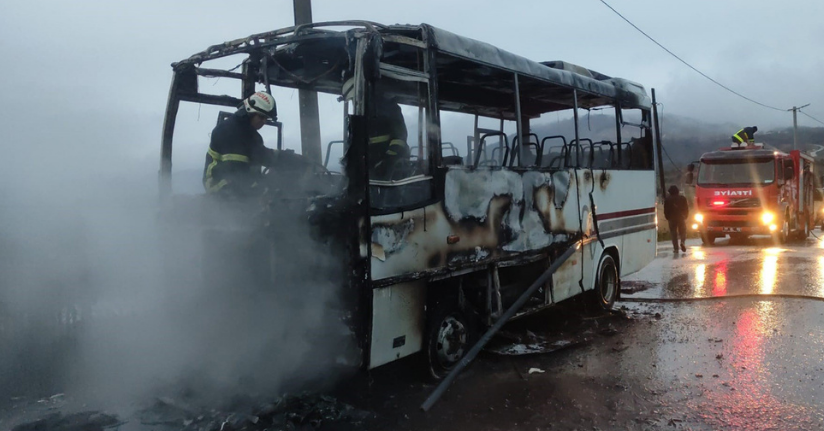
[{"x": 721, "y": 298}]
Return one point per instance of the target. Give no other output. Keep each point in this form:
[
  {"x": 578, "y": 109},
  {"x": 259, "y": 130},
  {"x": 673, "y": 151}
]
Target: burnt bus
[{"x": 438, "y": 246}]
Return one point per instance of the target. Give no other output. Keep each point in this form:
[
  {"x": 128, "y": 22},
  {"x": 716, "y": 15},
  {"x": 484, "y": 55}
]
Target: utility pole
[
  {"x": 795, "y": 124},
  {"x": 309, "y": 118}
]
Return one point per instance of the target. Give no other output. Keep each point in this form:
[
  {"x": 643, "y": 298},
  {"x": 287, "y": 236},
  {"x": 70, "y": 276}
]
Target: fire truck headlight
[
  {"x": 773, "y": 228},
  {"x": 699, "y": 217},
  {"x": 695, "y": 226},
  {"x": 767, "y": 217}
]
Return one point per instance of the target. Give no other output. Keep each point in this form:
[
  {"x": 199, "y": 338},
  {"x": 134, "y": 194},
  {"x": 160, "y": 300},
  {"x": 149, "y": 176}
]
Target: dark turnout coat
[
  {"x": 676, "y": 208},
  {"x": 236, "y": 153}
]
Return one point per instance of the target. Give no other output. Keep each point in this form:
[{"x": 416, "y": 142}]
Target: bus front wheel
[{"x": 449, "y": 336}]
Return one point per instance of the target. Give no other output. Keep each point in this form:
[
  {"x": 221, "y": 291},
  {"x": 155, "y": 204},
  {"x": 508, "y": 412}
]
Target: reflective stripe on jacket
[{"x": 234, "y": 156}]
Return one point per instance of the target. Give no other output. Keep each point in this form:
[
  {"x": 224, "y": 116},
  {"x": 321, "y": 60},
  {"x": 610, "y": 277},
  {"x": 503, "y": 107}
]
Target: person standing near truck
[{"x": 676, "y": 211}]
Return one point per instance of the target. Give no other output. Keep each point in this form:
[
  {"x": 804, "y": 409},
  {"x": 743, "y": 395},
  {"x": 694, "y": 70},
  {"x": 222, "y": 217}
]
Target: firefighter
[
  {"x": 745, "y": 136},
  {"x": 676, "y": 211},
  {"x": 236, "y": 150},
  {"x": 387, "y": 135}
]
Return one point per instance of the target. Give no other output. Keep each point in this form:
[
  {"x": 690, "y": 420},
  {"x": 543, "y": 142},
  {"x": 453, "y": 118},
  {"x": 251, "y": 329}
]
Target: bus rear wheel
[{"x": 607, "y": 285}]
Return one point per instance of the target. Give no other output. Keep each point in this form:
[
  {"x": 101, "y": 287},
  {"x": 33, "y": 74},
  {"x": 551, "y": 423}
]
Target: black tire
[
  {"x": 450, "y": 334},
  {"x": 783, "y": 235},
  {"x": 607, "y": 285},
  {"x": 707, "y": 239},
  {"x": 806, "y": 231}
]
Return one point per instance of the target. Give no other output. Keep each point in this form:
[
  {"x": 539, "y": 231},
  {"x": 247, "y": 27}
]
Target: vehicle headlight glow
[
  {"x": 699, "y": 217},
  {"x": 767, "y": 217}
]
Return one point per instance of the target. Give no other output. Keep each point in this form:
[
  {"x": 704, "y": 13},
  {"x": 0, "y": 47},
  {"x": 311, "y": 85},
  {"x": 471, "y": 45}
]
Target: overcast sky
[{"x": 85, "y": 82}]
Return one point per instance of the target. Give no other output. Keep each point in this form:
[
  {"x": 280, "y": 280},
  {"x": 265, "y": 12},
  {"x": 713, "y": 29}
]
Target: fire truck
[{"x": 746, "y": 190}]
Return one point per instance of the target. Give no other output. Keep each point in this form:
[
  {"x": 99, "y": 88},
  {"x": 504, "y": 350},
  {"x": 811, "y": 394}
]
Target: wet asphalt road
[
  {"x": 754, "y": 266},
  {"x": 744, "y": 363}
]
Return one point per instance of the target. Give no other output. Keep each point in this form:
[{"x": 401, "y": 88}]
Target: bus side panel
[
  {"x": 625, "y": 204},
  {"x": 397, "y": 322},
  {"x": 643, "y": 245},
  {"x": 569, "y": 279},
  {"x": 486, "y": 213}
]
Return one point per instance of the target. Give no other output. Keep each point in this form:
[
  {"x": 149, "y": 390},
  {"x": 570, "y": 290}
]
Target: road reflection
[
  {"x": 820, "y": 275},
  {"x": 769, "y": 269},
  {"x": 720, "y": 286},
  {"x": 700, "y": 273}
]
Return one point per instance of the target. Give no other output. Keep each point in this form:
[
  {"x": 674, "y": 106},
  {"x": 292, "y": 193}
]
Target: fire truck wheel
[
  {"x": 606, "y": 289},
  {"x": 449, "y": 334},
  {"x": 784, "y": 234},
  {"x": 806, "y": 232},
  {"x": 707, "y": 239}
]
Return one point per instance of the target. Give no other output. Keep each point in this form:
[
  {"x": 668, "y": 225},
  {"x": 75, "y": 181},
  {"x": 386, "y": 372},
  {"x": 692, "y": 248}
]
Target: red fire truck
[{"x": 750, "y": 190}]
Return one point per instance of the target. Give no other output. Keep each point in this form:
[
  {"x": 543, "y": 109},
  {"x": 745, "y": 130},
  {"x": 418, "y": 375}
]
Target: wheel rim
[
  {"x": 785, "y": 229},
  {"x": 451, "y": 340},
  {"x": 607, "y": 284}
]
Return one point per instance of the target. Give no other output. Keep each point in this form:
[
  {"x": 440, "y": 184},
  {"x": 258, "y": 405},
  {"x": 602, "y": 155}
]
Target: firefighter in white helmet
[{"x": 236, "y": 150}]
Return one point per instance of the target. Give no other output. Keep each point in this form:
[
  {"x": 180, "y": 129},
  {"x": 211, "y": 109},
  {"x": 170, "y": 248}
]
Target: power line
[
  {"x": 672, "y": 162},
  {"x": 810, "y": 116},
  {"x": 670, "y": 158},
  {"x": 687, "y": 64}
]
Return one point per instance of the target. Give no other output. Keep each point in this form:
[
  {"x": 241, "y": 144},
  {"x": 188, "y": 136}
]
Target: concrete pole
[
  {"x": 310, "y": 145},
  {"x": 795, "y": 124},
  {"x": 795, "y": 128}
]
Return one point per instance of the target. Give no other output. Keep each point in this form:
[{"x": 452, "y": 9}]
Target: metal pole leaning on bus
[{"x": 441, "y": 389}]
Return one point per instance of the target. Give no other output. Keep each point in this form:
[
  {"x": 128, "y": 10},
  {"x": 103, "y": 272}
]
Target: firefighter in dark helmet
[{"x": 387, "y": 131}]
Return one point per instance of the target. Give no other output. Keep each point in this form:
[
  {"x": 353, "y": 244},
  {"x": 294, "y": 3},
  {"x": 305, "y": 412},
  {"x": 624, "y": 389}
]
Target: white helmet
[{"x": 261, "y": 103}]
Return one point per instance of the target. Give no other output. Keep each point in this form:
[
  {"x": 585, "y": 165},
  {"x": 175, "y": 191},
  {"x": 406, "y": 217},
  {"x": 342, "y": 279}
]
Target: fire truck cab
[{"x": 751, "y": 190}]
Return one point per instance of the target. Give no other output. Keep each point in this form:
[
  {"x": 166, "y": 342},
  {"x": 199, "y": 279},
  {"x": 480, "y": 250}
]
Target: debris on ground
[
  {"x": 289, "y": 412},
  {"x": 609, "y": 330},
  {"x": 82, "y": 421},
  {"x": 536, "y": 370},
  {"x": 628, "y": 287},
  {"x": 511, "y": 344}
]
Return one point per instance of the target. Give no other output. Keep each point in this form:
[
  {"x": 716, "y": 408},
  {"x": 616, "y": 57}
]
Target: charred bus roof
[{"x": 472, "y": 76}]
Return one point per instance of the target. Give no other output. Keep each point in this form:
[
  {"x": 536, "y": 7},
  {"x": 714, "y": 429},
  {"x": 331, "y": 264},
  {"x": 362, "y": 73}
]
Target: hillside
[{"x": 685, "y": 139}]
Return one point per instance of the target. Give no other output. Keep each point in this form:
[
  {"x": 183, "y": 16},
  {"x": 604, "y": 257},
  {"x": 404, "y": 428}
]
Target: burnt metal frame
[
  {"x": 256, "y": 43},
  {"x": 186, "y": 70},
  {"x": 329, "y": 151},
  {"x": 183, "y": 87}
]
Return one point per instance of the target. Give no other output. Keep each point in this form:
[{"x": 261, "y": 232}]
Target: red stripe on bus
[{"x": 607, "y": 216}]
